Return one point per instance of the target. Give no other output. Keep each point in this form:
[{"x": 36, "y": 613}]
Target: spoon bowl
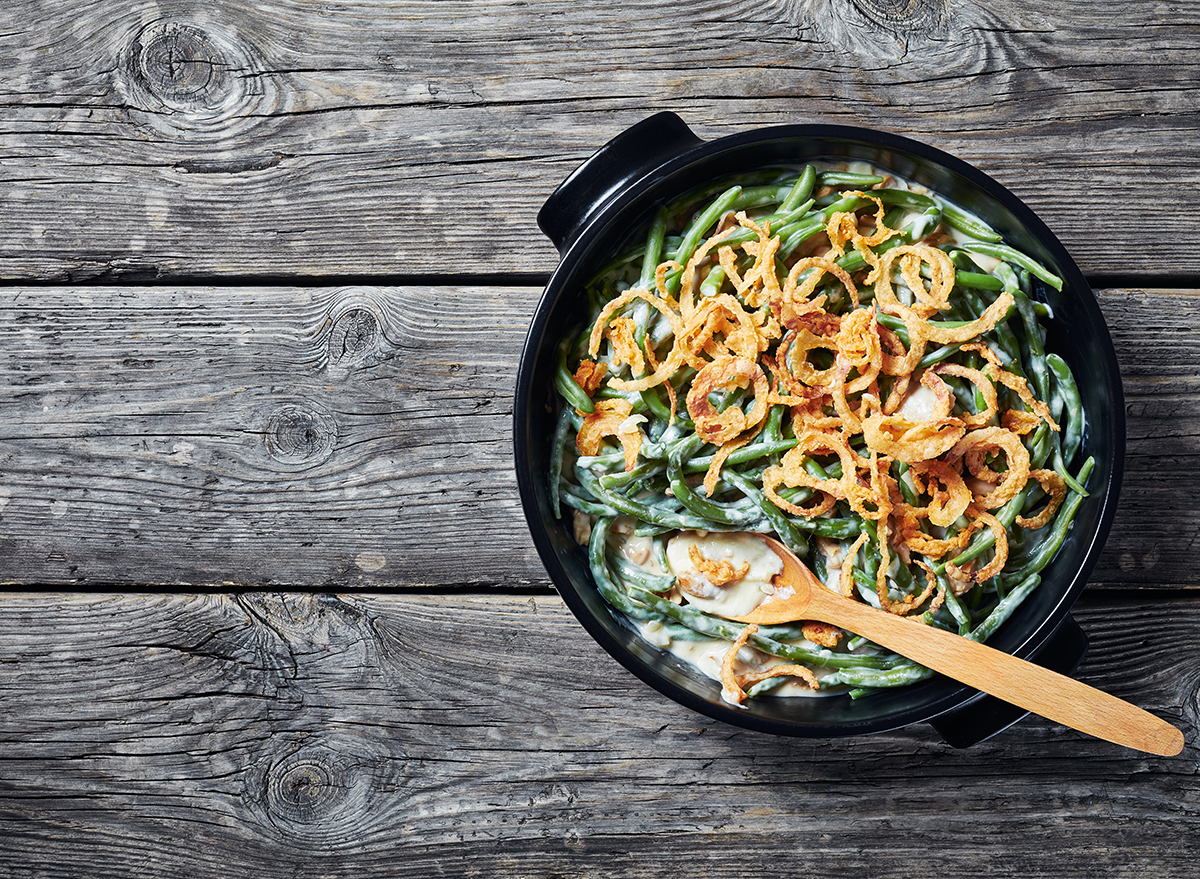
[{"x": 799, "y": 595}]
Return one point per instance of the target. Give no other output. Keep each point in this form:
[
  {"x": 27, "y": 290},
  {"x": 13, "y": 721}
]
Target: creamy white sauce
[
  {"x": 735, "y": 598},
  {"x": 920, "y": 404},
  {"x": 707, "y": 654},
  {"x": 740, "y": 596}
]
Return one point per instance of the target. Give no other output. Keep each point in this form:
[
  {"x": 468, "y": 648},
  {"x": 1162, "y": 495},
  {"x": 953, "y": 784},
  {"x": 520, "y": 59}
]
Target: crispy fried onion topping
[
  {"x": 611, "y": 418},
  {"x": 734, "y": 681},
  {"x": 719, "y": 572},
  {"x": 726, "y": 374},
  {"x": 589, "y": 375},
  {"x": 822, "y": 634},
  {"x": 927, "y": 454}
]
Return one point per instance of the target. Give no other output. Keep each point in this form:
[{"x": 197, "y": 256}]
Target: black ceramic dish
[{"x": 615, "y": 192}]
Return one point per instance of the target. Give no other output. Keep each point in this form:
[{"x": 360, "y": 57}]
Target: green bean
[
  {"x": 801, "y": 190},
  {"x": 1016, "y": 257},
  {"x": 781, "y": 221},
  {"x": 978, "y": 281},
  {"x": 629, "y": 572},
  {"x": 1007, "y": 514},
  {"x": 653, "y": 402},
  {"x": 724, "y": 514},
  {"x": 626, "y": 478},
  {"x": 927, "y": 209},
  {"x": 963, "y": 222},
  {"x": 757, "y": 196},
  {"x": 848, "y": 178},
  {"x": 783, "y": 218},
  {"x": 711, "y": 285},
  {"x": 679, "y": 632},
  {"x": 565, "y": 382},
  {"x": 1072, "y": 483},
  {"x": 937, "y": 356},
  {"x": 818, "y": 565},
  {"x": 557, "y": 448},
  {"x": 896, "y": 325},
  {"x": 597, "y": 560},
  {"x": 1005, "y": 608},
  {"x": 906, "y": 489},
  {"x": 1058, "y": 534},
  {"x": 1038, "y": 371},
  {"x": 633, "y": 397},
  {"x": 1072, "y": 429},
  {"x": 773, "y": 428},
  {"x": 842, "y": 204},
  {"x": 955, "y": 608},
  {"x": 833, "y": 527},
  {"x": 653, "y": 249},
  {"x": 647, "y": 529},
  {"x": 591, "y": 508},
  {"x": 765, "y": 686},
  {"x": 796, "y": 234},
  {"x": 788, "y": 533},
  {"x": 1006, "y": 339},
  {"x": 688, "y": 243},
  {"x": 904, "y": 198},
  {"x": 713, "y": 627},
  {"x": 870, "y": 559},
  {"x": 1041, "y": 446},
  {"x": 645, "y": 512},
  {"x": 702, "y": 223},
  {"x": 740, "y": 456},
  {"x": 660, "y": 553},
  {"x": 899, "y": 676}
]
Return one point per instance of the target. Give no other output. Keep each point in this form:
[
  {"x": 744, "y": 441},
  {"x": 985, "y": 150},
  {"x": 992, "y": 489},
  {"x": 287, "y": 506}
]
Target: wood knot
[
  {"x": 354, "y": 333},
  {"x": 300, "y": 434},
  {"x": 326, "y": 792},
  {"x": 905, "y": 17},
  {"x": 352, "y": 336},
  {"x": 301, "y": 619},
  {"x": 306, "y": 791},
  {"x": 180, "y": 65},
  {"x": 186, "y": 80}
]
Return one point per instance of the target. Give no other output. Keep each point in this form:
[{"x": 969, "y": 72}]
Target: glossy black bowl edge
[
  {"x": 617, "y": 166},
  {"x": 549, "y": 542}
]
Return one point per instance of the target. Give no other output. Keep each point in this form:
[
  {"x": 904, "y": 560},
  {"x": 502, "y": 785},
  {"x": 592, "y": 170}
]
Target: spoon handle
[{"x": 1014, "y": 680}]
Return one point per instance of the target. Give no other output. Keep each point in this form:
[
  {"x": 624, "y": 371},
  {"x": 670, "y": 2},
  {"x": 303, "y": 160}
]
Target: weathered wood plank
[
  {"x": 384, "y": 138},
  {"x": 333, "y": 437},
  {"x": 270, "y": 436},
  {"x": 266, "y": 734},
  {"x": 1156, "y": 536}
]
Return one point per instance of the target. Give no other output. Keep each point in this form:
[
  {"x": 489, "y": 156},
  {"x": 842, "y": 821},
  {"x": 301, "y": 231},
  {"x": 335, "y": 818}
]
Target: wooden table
[{"x": 272, "y": 609}]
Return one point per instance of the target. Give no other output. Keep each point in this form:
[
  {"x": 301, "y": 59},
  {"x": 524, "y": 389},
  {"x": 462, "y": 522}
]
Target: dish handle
[
  {"x": 625, "y": 159},
  {"x": 983, "y": 716}
]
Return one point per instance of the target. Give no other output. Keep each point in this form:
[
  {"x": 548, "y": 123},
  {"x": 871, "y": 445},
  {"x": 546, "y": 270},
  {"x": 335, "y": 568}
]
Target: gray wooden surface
[{"x": 270, "y": 607}]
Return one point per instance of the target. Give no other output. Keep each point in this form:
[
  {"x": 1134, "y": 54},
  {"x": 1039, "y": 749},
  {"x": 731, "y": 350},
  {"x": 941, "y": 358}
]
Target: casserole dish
[{"x": 591, "y": 215}]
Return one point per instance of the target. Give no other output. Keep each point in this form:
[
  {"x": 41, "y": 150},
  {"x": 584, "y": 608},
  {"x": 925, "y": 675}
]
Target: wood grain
[
  {"x": 270, "y": 436},
  {"x": 1155, "y": 539},
  {"x": 331, "y": 437},
  {"x": 268, "y": 734},
  {"x": 265, "y": 271},
  {"x": 286, "y": 138}
]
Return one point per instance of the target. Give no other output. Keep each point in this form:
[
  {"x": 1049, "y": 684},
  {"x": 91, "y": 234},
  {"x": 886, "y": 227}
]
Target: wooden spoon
[{"x": 799, "y": 595}]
